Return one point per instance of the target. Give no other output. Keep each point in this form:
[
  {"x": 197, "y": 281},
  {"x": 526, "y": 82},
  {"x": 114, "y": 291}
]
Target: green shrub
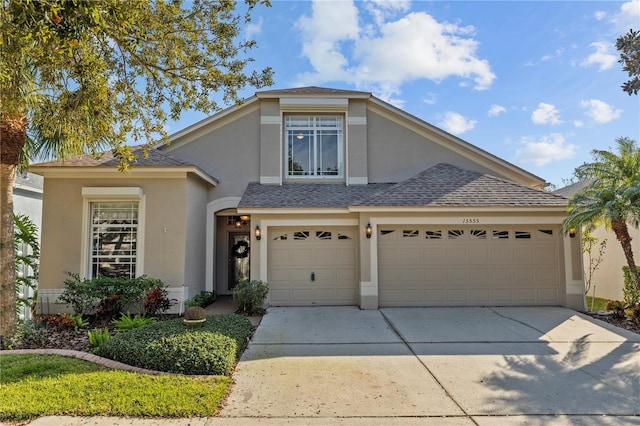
[
  {"x": 79, "y": 321},
  {"x": 127, "y": 322},
  {"x": 630, "y": 291},
  {"x": 108, "y": 296},
  {"x": 250, "y": 296},
  {"x": 79, "y": 293},
  {"x": 617, "y": 307},
  {"x": 171, "y": 347},
  {"x": 29, "y": 334},
  {"x": 97, "y": 337},
  {"x": 204, "y": 299},
  {"x": 157, "y": 302}
]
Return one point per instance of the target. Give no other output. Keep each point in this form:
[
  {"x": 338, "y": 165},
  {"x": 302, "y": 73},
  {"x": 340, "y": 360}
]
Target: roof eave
[{"x": 136, "y": 171}]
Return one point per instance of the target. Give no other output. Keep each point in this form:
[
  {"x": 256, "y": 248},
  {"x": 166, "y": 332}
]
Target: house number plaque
[{"x": 471, "y": 220}]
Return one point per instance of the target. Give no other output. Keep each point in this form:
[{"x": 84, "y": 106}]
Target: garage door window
[
  {"x": 500, "y": 235},
  {"x": 478, "y": 234}
]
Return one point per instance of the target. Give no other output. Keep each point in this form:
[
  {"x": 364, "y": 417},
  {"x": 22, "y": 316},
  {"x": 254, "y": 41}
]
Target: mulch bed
[{"x": 623, "y": 322}]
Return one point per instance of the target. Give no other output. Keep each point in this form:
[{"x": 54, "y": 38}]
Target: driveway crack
[{"x": 426, "y": 367}]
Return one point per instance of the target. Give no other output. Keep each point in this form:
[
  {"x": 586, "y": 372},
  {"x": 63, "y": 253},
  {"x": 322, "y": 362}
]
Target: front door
[{"x": 238, "y": 263}]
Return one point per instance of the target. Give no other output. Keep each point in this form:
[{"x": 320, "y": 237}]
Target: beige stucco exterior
[
  {"x": 608, "y": 281},
  {"x": 185, "y": 222}
]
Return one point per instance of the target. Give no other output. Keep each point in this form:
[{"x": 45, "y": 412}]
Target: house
[
  {"x": 607, "y": 281},
  {"x": 27, "y": 200},
  {"x": 333, "y": 197}
]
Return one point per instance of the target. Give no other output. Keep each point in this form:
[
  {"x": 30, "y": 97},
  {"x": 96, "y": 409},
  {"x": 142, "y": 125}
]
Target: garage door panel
[
  {"x": 500, "y": 255},
  {"x": 457, "y": 275},
  {"x": 467, "y": 266},
  {"x": 524, "y": 255},
  {"x": 410, "y": 256},
  {"x": 504, "y": 295},
  {"x": 481, "y": 295},
  {"x": 480, "y": 274},
  {"x": 546, "y": 256},
  {"x": 478, "y": 255},
  {"x": 501, "y": 274},
  {"x": 455, "y": 253},
  {"x": 524, "y": 275},
  {"x": 278, "y": 296},
  {"x": 436, "y": 296},
  {"x": 412, "y": 275},
  {"x": 526, "y": 295},
  {"x": 432, "y": 255},
  {"x": 457, "y": 296},
  {"x": 548, "y": 295},
  {"x": 547, "y": 275},
  {"x": 346, "y": 274},
  {"x": 346, "y": 256}
]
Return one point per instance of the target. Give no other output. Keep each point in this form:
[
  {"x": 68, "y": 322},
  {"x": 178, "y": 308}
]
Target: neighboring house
[
  {"x": 608, "y": 280},
  {"x": 27, "y": 200},
  {"x": 333, "y": 197}
]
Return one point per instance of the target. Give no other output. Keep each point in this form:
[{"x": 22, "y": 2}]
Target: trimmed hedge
[{"x": 172, "y": 347}]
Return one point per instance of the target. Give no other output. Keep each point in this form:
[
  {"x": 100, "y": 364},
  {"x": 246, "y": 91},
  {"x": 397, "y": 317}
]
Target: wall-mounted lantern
[
  {"x": 368, "y": 230},
  {"x": 258, "y": 233}
]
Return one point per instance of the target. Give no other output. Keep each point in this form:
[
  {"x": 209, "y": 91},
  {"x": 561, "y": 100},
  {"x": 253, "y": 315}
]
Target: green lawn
[
  {"x": 41, "y": 385},
  {"x": 599, "y": 304}
]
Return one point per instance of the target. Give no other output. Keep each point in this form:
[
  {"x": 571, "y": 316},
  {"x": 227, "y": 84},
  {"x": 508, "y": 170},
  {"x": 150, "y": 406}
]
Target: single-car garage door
[
  {"x": 312, "y": 266},
  {"x": 431, "y": 266}
]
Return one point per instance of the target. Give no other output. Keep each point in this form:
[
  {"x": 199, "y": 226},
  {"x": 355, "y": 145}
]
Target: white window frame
[
  {"x": 110, "y": 195},
  {"x": 314, "y": 130}
]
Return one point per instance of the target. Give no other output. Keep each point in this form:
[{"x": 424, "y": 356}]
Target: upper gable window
[{"x": 314, "y": 146}]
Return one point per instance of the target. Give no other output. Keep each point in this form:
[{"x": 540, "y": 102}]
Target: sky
[{"x": 535, "y": 83}]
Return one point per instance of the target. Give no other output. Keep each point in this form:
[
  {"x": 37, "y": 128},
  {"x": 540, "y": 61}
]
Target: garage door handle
[{"x": 313, "y": 276}]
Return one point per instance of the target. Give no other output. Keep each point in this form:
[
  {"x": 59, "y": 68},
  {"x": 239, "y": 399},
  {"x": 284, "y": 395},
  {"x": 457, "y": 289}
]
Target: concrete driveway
[{"x": 458, "y": 366}]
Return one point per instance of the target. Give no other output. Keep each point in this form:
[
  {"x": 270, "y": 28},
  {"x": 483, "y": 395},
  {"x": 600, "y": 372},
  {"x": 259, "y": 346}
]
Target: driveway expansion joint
[{"x": 427, "y": 369}]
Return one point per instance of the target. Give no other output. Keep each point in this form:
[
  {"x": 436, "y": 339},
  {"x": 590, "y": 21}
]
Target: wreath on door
[{"x": 240, "y": 250}]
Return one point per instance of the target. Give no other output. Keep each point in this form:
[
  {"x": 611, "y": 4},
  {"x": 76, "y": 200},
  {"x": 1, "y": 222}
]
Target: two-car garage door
[{"x": 455, "y": 265}]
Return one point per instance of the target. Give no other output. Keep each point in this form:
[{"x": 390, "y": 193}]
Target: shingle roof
[
  {"x": 569, "y": 190},
  {"x": 306, "y": 195},
  {"x": 444, "y": 185},
  {"x": 155, "y": 158}
]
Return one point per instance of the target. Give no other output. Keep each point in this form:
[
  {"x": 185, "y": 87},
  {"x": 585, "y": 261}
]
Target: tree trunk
[
  {"x": 622, "y": 234},
  {"x": 13, "y": 135}
]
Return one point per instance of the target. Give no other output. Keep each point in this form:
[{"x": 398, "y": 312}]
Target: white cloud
[
  {"x": 555, "y": 54},
  {"x": 430, "y": 98},
  {"x": 578, "y": 123},
  {"x": 546, "y": 114},
  {"x": 455, "y": 123},
  {"x": 628, "y": 16},
  {"x": 547, "y": 149},
  {"x": 390, "y": 52},
  {"x": 599, "y": 111},
  {"x": 496, "y": 110},
  {"x": 253, "y": 29},
  {"x": 600, "y": 15},
  {"x": 602, "y": 56}
]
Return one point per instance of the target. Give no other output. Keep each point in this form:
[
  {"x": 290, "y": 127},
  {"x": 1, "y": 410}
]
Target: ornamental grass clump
[
  {"x": 169, "y": 346},
  {"x": 195, "y": 313}
]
